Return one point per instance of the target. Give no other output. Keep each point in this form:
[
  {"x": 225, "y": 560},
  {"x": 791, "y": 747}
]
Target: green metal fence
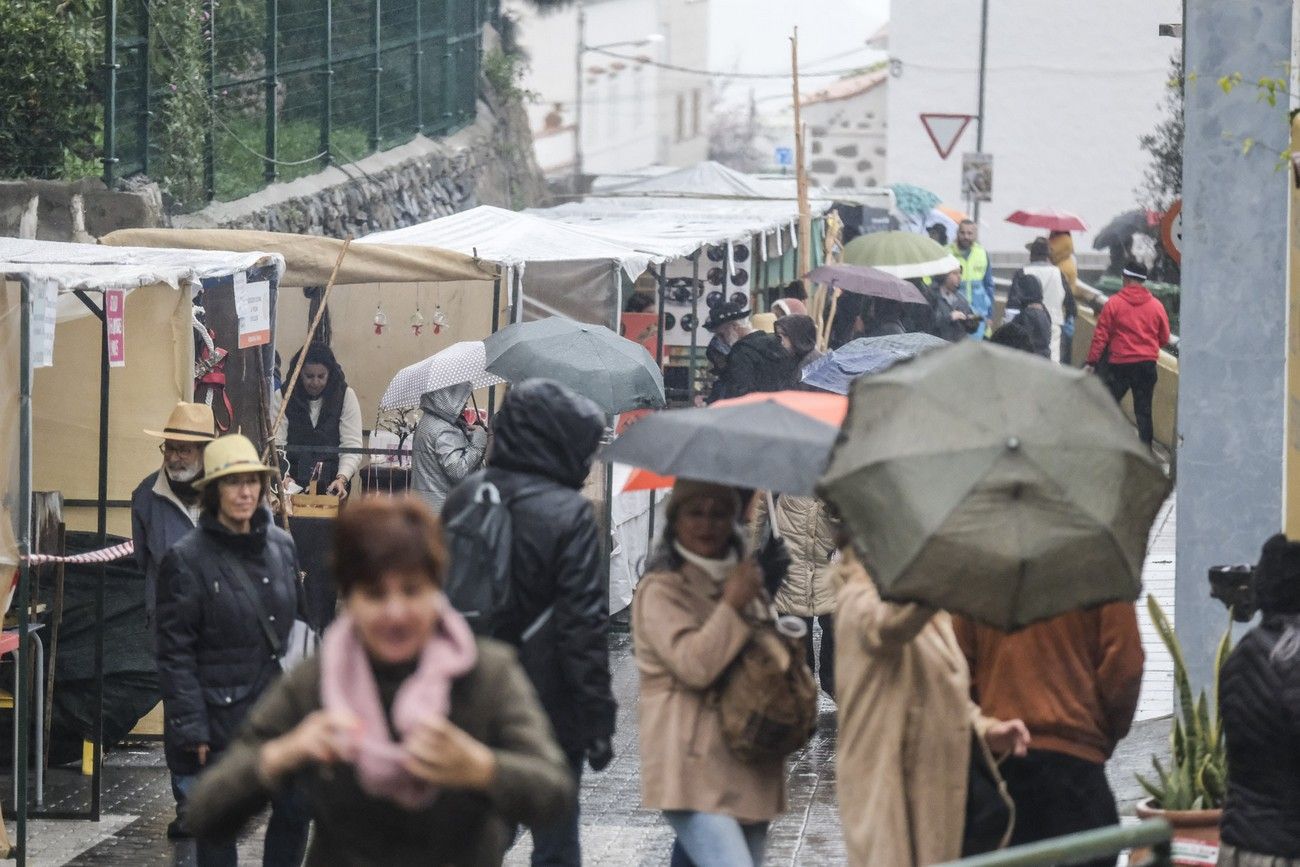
[{"x": 294, "y": 85}]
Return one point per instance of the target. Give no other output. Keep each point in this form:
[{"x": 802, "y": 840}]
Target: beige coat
[
  {"x": 905, "y": 722},
  {"x": 805, "y": 524},
  {"x": 684, "y": 638}
]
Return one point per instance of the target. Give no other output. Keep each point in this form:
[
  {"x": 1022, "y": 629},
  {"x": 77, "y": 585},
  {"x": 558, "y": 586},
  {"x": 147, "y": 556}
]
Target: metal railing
[
  {"x": 1153, "y": 834},
  {"x": 291, "y": 86}
]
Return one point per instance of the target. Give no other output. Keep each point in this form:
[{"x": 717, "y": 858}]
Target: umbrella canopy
[
  {"x": 759, "y": 443},
  {"x": 913, "y": 200},
  {"x": 617, "y": 373},
  {"x": 460, "y": 362},
  {"x": 994, "y": 484},
  {"x": 828, "y": 408},
  {"x": 1121, "y": 229},
  {"x": 1050, "y": 219},
  {"x": 902, "y": 254},
  {"x": 836, "y": 370},
  {"x": 865, "y": 280}
]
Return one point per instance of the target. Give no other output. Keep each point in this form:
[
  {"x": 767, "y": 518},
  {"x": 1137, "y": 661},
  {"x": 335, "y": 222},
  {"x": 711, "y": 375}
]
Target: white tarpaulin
[{"x": 700, "y": 181}]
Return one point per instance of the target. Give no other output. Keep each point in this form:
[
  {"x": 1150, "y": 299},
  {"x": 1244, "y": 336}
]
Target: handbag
[
  {"x": 990, "y": 812},
  {"x": 303, "y": 640}
]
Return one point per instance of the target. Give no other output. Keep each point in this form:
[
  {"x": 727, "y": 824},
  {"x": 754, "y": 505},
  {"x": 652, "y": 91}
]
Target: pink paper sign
[{"x": 114, "y": 309}]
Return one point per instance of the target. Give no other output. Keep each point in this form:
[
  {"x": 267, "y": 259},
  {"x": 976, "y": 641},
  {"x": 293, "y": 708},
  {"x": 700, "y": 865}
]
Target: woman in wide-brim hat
[{"x": 227, "y": 598}]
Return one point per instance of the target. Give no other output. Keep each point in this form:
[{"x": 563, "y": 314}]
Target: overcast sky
[{"x": 753, "y": 36}]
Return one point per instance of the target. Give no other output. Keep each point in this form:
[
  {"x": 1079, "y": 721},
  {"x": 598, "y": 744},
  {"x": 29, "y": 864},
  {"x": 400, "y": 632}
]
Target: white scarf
[{"x": 717, "y": 570}]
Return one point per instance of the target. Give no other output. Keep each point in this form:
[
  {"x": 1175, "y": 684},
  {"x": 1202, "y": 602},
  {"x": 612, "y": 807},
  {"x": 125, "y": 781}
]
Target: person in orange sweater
[{"x": 1074, "y": 680}]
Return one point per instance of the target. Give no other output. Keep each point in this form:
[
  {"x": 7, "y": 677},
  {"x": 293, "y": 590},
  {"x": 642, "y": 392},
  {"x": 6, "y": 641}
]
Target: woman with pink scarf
[{"x": 413, "y": 741}]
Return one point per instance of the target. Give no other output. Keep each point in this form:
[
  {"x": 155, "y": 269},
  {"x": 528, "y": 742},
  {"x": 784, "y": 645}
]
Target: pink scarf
[{"x": 348, "y": 684}]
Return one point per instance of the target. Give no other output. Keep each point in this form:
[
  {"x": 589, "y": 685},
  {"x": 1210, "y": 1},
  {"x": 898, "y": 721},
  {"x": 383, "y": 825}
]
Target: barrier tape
[{"x": 104, "y": 555}]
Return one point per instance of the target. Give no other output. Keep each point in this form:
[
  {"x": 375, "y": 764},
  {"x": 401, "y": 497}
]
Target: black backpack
[{"x": 479, "y": 542}]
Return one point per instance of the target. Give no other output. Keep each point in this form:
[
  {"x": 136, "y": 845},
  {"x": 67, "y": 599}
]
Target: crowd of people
[{"x": 416, "y": 729}]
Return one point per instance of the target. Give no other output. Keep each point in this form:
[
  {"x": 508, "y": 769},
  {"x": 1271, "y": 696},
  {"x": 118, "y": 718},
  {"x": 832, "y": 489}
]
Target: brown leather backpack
[{"x": 767, "y": 698}]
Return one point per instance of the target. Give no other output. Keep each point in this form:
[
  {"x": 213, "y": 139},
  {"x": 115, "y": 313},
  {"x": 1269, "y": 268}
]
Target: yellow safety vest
[{"x": 973, "y": 268}]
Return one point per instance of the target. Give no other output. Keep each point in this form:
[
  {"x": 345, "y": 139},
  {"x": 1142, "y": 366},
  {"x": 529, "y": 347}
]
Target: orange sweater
[{"x": 1073, "y": 679}]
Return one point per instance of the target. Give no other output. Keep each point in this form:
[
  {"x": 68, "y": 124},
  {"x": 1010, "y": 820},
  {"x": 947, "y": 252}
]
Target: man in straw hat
[{"x": 164, "y": 507}]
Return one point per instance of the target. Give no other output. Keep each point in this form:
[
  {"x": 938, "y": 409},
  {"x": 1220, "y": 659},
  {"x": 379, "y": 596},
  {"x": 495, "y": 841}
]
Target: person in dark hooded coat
[
  {"x": 445, "y": 448},
  {"x": 756, "y": 362},
  {"x": 545, "y": 438},
  {"x": 1026, "y": 297}
]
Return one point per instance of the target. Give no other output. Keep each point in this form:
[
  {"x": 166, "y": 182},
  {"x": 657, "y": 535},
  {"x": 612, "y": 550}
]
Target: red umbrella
[{"x": 1050, "y": 219}]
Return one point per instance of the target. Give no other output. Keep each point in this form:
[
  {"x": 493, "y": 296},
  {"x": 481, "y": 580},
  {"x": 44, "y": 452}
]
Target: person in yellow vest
[{"x": 976, "y": 273}]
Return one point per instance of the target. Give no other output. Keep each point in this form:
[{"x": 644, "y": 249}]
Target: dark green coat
[{"x": 494, "y": 703}]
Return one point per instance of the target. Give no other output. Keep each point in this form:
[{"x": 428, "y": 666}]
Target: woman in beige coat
[
  {"x": 905, "y": 725},
  {"x": 687, "y": 627},
  {"x": 808, "y": 592}
]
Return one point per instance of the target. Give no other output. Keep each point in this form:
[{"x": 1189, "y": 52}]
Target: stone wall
[{"x": 75, "y": 211}]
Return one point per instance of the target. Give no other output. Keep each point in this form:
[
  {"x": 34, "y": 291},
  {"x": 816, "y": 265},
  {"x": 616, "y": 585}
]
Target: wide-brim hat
[
  {"x": 230, "y": 455},
  {"x": 188, "y": 423},
  {"x": 727, "y": 311}
]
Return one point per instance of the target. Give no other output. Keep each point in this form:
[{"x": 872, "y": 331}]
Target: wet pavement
[{"x": 615, "y": 831}]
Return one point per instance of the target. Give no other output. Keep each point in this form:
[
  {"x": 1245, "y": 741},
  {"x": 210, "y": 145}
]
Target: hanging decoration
[
  {"x": 417, "y": 318},
  {"x": 381, "y": 319},
  {"x": 439, "y": 318}
]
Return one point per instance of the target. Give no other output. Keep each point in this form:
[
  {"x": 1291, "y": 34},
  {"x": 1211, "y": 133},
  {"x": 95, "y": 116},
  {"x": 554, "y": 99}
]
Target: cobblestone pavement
[{"x": 137, "y": 802}]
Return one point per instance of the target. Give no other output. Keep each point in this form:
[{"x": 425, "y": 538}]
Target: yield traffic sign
[{"x": 945, "y": 129}]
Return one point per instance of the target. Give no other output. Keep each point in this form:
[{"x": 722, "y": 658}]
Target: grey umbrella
[
  {"x": 865, "y": 280},
  {"x": 759, "y": 444},
  {"x": 617, "y": 373},
  {"x": 836, "y": 370},
  {"x": 995, "y": 484}
]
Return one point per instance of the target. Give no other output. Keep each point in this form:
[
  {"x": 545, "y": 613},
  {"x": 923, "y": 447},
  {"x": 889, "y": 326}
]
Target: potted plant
[{"x": 1190, "y": 791}]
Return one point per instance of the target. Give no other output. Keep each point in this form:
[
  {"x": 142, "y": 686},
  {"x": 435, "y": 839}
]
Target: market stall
[{"x": 60, "y": 409}]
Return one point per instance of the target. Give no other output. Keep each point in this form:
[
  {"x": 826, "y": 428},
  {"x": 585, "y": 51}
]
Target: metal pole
[
  {"x": 101, "y": 521},
  {"x": 110, "y": 92},
  {"x": 327, "y": 90},
  {"x": 417, "y": 64},
  {"x": 609, "y": 475},
  {"x": 496, "y": 324},
  {"x": 209, "y": 140},
  {"x": 577, "y": 100},
  {"x": 448, "y": 68},
  {"x": 695, "y": 313},
  {"x": 979, "y": 120},
  {"x": 272, "y": 51},
  {"x": 377, "y": 70},
  {"x": 146, "y": 88},
  {"x": 24, "y": 549}
]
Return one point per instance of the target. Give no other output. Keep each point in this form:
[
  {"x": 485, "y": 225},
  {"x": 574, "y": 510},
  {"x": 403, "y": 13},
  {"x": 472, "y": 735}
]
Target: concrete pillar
[{"x": 1234, "y": 307}]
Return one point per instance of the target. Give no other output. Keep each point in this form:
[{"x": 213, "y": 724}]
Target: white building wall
[
  {"x": 684, "y": 97},
  {"x": 1070, "y": 88},
  {"x": 620, "y": 98}
]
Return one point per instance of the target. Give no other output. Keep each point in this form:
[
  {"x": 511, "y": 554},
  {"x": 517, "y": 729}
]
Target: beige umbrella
[{"x": 995, "y": 484}]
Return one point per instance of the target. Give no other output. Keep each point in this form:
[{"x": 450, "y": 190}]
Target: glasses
[{"x": 178, "y": 448}]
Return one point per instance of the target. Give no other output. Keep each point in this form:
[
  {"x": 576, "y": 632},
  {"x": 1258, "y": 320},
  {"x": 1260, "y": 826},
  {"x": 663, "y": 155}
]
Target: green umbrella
[
  {"x": 913, "y": 200},
  {"x": 615, "y": 372},
  {"x": 995, "y": 484},
  {"x": 902, "y": 254}
]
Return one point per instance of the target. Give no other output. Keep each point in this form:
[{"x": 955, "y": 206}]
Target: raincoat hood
[
  {"x": 1136, "y": 294},
  {"x": 545, "y": 429},
  {"x": 446, "y": 403}
]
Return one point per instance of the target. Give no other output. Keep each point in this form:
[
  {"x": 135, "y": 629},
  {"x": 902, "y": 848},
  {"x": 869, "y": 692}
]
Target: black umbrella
[
  {"x": 1123, "y": 227},
  {"x": 865, "y": 280}
]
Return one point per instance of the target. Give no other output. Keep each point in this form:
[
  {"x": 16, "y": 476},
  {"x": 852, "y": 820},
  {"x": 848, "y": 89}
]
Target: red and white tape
[{"x": 104, "y": 555}]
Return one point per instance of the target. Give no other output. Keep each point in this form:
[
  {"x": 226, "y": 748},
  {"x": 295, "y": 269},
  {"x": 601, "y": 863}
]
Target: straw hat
[
  {"x": 188, "y": 423},
  {"x": 230, "y": 455}
]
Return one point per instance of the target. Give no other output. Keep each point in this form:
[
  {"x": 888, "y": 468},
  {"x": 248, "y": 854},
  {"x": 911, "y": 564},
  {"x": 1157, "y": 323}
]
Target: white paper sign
[
  {"x": 253, "y": 307},
  {"x": 45, "y": 309}
]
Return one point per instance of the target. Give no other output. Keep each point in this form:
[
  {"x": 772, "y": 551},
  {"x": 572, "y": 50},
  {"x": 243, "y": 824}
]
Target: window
[
  {"x": 681, "y": 117},
  {"x": 695, "y": 113}
]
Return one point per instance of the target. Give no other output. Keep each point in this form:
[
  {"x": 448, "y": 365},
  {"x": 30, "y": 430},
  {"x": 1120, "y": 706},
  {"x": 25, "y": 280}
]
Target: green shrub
[{"x": 46, "y": 109}]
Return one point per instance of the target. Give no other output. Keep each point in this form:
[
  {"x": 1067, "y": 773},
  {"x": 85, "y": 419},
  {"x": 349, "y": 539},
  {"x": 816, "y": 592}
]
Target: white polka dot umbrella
[{"x": 460, "y": 362}]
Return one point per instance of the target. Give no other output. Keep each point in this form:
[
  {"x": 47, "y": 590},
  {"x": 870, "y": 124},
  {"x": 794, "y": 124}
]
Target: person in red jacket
[{"x": 1134, "y": 327}]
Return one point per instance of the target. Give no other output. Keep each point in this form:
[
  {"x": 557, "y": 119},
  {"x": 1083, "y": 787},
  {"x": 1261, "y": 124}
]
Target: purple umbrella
[{"x": 864, "y": 280}]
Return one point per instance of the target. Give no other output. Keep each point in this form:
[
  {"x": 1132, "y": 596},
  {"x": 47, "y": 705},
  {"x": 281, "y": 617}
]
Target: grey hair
[{"x": 1289, "y": 644}]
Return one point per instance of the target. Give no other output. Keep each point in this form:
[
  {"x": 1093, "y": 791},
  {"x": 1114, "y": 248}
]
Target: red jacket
[{"x": 1133, "y": 324}]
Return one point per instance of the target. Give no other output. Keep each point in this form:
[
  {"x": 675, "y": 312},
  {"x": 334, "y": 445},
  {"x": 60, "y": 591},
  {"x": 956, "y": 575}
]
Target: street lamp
[{"x": 582, "y": 49}]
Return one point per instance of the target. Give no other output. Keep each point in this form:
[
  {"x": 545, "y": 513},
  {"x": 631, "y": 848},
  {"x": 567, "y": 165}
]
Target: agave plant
[{"x": 1196, "y": 778}]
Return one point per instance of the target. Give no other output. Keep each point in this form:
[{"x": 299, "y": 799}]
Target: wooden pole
[{"x": 801, "y": 169}]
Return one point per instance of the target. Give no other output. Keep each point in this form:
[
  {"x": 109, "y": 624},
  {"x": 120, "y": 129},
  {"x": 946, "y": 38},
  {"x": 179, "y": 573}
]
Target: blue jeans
[
  {"x": 286, "y": 832},
  {"x": 181, "y": 785},
  {"x": 557, "y": 844},
  {"x": 714, "y": 840}
]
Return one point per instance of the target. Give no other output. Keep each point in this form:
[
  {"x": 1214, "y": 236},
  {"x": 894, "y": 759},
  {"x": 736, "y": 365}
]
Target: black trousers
[
  {"x": 1056, "y": 794},
  {"x": 822, "y": 661},
  {"x": 1140, "y": 378}
]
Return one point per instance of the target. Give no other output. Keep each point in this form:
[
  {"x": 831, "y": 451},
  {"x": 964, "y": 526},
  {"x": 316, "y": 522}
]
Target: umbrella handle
[{"x": 771, "y": 514}]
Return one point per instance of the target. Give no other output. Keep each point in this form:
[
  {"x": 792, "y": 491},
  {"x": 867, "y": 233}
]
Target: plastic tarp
[
  {"x": 707, "y": 179},
  {"x": 65, "y": 403},
  {"x": 309, "y": 259}
]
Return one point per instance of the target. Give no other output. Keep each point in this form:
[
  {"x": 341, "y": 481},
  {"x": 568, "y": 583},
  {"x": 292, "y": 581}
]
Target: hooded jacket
[
  {"x": 445, "y": 449},
  {"x": 757, "y": 362},
  {"x": 1133, "y": 324},
  {"x": 158, "y": 521},
  {"x": 545, "y": 439}
]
